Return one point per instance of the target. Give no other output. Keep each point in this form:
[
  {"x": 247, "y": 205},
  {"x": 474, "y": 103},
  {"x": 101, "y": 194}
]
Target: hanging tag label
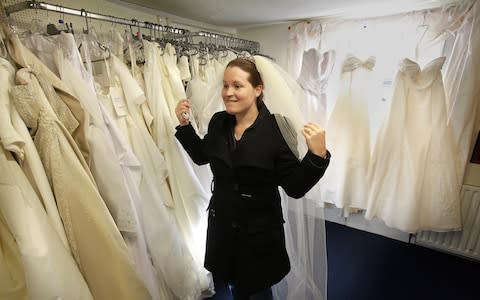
[{"x": 116, "y": 94}]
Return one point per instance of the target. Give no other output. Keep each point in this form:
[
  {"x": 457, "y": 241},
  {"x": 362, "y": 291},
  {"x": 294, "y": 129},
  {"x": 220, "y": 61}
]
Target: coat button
[{"x": 211, "y": 212}]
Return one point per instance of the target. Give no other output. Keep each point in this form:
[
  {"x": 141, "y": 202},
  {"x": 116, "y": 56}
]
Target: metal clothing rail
[
  {"x": 84, "y": 13},
  {"x": 213, "y": 38},
  {"x": 228, "y": 41}
]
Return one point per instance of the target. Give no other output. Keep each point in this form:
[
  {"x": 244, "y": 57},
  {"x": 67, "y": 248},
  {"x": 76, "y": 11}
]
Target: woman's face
[{"x": 239, "y": 95}]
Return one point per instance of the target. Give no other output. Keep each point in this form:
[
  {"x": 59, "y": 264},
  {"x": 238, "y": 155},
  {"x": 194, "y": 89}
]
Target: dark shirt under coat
[{"x": 245, "y": 235}]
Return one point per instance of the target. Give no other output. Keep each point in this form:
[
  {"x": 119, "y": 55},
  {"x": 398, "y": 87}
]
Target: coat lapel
[{"x": 219, "y": 141}]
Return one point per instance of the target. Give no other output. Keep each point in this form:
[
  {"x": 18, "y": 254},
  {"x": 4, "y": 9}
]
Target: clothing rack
[
  {"x": 209, "y": 37},
  {"x": 228, "y": 42}
]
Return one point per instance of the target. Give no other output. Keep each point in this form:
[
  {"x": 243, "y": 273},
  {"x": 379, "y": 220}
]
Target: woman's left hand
[{"x": 315, "y": 138}]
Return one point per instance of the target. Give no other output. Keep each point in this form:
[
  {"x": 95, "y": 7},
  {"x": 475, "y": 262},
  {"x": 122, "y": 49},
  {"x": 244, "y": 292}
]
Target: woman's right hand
[{"x": 182, "y": 110}]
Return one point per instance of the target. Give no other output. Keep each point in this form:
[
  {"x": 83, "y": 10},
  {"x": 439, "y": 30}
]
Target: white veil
[
  {"x": 304, "y": 220},
  {"x": 281, "y": 95}
]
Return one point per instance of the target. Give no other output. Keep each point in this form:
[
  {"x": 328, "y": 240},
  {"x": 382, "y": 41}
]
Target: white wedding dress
[
  {"x": 188, "y": 194},
  {"x": 345, "y": 181},
  {"x": 203, "y": 96},
  {"x": 413, "y": 180},
  {"x": 314, "y": 74},
  {"x": 171, "y": 256}
]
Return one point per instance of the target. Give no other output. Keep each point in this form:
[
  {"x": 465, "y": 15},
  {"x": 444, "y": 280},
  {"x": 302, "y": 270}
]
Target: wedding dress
[
  {"x": 412, "y": 178},
  {"x": 188, "y": 194},
  {"x": 39, "y": 244},
  {"x": 64, "y": 165},
  {"x": 345, "y": 181},
  {"x": 170, "y": 254},
  {"x": 314, "y": 74}
]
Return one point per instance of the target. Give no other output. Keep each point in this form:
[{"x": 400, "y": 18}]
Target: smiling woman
[{"x": 250, "y": 158}]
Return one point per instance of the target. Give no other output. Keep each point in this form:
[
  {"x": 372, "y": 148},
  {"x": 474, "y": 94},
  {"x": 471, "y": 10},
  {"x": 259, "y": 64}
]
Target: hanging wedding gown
[
  {"x": 170, "y": 254},
  {"x": 204, "y": 99},
  {"x": 301, "y": 36},
  {"x": 413, "y": 180},
  {"x": 64, "y": 160},
  {"x": 64, "y": 165},
  {"x": 31, "y": 163},
  {"x": 345, "y": 181},
  {"x": 41, "y": 248},
  {"x": 118, "y": 175},
  {"x": 113, "y": 166},
  {"x": 188, "y": 195},
  {"x": 314, "y": 74}
]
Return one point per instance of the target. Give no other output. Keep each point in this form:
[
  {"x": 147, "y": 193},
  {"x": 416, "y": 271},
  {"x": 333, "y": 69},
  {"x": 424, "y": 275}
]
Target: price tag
[{"x": 116, "y": 94}]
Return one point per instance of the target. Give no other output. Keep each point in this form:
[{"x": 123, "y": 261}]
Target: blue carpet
[{"x": 366, "y": 266}]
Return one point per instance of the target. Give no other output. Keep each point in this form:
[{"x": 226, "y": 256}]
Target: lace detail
[
  {"x": 26, "y": 106},
  {"x": 62, "y": 111},
  {"x": 26, "y": 91}
]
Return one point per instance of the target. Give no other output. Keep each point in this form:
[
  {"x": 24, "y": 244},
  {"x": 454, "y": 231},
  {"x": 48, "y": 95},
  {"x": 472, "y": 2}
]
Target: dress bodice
[
  {"x": 316, "y": 69},
  {"x": 421, "y": 78},
  {"x": 351, "y": 63}
]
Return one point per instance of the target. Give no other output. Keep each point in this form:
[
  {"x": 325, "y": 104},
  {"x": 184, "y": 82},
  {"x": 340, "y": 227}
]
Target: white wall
[{"x": 273, "y": 40}]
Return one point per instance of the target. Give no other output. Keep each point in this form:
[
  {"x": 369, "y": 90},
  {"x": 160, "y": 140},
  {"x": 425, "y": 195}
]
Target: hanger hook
[{"x": 83, "y": 11}]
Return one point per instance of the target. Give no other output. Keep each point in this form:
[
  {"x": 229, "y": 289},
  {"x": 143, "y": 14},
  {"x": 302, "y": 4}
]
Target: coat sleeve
[
  {"x": 192, "y": 143},
  {"x": 298, "y": 177}
]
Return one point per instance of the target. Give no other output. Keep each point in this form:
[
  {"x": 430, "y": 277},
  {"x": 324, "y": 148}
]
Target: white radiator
[{"x": 466, "y": 242}]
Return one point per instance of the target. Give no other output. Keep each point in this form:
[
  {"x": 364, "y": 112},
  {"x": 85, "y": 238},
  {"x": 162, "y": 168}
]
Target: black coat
[{"x": 245, "y": 235}]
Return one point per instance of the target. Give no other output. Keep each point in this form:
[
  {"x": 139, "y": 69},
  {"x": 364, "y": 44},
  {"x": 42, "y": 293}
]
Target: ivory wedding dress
[
  {"x": 345, "y": 181},
  {"x": 413, "y": 180}
]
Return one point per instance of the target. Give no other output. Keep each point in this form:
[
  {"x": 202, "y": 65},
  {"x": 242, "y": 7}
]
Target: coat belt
[{"x": 245, "y": 189}]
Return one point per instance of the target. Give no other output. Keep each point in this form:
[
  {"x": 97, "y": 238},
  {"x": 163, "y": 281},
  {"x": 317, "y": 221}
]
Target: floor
[{"x": 366, "y": 266}]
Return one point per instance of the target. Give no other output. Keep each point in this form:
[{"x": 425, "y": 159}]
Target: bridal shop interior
[{"x": 98, "y": 199}]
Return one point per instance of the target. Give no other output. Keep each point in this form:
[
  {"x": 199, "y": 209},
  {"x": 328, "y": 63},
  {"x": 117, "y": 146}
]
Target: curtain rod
[{"x": 251, "y": 45}]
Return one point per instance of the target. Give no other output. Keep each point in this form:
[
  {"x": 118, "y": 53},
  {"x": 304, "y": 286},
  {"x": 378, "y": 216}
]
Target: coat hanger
[
  {"x": 91, "y": 36},
  {"x": 84, "y": 12},
  {"x": 425, "y": 27},
  {"x": 52, "y": 29}
]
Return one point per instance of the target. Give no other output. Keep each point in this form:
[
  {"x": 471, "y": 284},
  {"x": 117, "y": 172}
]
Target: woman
[{"x": 249, "y": 159}]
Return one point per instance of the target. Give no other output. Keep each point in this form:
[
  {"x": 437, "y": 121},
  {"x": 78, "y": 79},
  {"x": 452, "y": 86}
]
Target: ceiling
[{"x": 248, "y": 13}]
